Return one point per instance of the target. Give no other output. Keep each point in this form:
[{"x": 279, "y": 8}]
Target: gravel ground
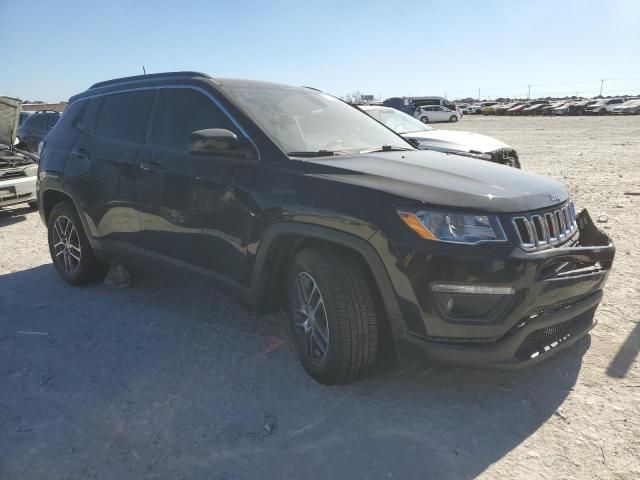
[{"x": 171, "y": 379}]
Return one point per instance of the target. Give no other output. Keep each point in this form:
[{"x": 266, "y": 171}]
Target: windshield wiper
[
  {"x": 316, "y": 153},
  {"x": 386, "y": 148}
]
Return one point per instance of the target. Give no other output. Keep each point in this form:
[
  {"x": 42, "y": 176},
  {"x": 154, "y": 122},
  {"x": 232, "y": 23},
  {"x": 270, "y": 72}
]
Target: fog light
[
  {"x": 472, "y": 289},
  {"x": 479, "y": 303}
]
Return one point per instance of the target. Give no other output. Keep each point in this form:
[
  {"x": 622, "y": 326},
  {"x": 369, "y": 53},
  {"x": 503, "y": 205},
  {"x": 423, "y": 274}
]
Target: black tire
[
  {"x": 453, "y": 118},
  {"x": 603, "y": 111},
  {"x": 349, "y": 315},
  {"x": 33, "y": 205},
  {"x": 424, "y": 119},
  {"x": 80, "y": 266}
]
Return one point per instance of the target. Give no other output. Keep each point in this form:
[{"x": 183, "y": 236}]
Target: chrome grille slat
[{"x": 547, "y": 228}]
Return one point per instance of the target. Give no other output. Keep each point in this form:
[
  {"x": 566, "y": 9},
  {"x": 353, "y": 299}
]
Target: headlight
[
  {"x": 31, "y": 170},
  {"x": 454, "y": 227}
]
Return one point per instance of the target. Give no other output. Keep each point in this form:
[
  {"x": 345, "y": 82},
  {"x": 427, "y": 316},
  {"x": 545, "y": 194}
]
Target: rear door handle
[
  {"x": 151, "y": 166},
  {"x": 81, "y": 153}
]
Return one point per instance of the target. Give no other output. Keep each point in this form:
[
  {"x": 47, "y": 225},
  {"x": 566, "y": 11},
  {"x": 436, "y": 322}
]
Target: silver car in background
[
  {"x": 630, "y": 107},
  {"x": 425, "y": 137}
]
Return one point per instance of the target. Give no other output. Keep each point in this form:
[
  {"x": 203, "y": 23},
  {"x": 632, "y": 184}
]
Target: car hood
[
  {"x": 14, "y": 160},
  {"x": 9, "y": 116},
  {"x": 437, "y": 179},
  {"x": 454, "y": 140}
]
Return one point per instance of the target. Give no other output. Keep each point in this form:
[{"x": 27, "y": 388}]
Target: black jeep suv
[{"x": 295, "y": 200}]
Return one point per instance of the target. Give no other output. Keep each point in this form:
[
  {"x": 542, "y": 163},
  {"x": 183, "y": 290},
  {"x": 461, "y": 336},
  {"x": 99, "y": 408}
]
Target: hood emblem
[{"x": 555, "y": 197}]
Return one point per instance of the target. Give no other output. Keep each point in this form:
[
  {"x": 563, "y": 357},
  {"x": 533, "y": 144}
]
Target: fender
[
  {"x": 359, "y": 245},
  {"x": 54, "y": 184}
]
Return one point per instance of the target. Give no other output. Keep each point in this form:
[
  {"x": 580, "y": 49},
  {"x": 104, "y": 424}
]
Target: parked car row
[
  {"x": 426, "y": 109},
  {"x": 604, "y": 106}
]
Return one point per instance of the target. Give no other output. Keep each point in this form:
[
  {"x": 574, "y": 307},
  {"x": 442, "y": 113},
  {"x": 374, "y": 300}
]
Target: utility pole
[
  {"x": 529, "y": 93},
  {"x": 478, "y": 94},
  {"x": 144, "y": 71},
  {"x": 601, "y": 84}
]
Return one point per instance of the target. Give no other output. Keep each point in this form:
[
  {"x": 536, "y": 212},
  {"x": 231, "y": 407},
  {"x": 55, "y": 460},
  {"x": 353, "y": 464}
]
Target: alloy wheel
[
  {"x": 66, "y": 244},
  {"x": 310, "y": 319}
]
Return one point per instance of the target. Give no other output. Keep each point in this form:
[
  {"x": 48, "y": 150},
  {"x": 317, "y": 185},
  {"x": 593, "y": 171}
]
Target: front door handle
[{"x": 151, "y": 166}]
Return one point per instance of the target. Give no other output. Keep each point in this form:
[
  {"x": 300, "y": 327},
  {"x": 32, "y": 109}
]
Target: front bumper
[
  {"x": 555, "y": 296},
  {"x": 17, "y": 190}
]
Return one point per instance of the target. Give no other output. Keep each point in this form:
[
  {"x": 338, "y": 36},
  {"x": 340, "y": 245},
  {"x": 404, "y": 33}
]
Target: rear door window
[
  {"x": 124, "y": 116},
  {"x": 180, "y": 111}
]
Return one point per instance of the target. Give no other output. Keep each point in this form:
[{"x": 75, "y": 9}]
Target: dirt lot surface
[{"x": 170, "y": 379}]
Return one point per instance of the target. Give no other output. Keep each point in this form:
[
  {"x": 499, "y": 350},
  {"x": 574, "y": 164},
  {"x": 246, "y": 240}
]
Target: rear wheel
[
  {"x": 453, "y": 118},
  {"x": 424, "y": 119},
  {"x": 332, "y": 314},
  {"x": 69, "y": 248}
]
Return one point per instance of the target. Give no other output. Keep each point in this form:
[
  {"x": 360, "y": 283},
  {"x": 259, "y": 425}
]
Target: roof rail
[{"x": 150, "y": 76}]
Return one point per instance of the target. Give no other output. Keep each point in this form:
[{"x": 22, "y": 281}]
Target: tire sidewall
[
  {"x": 87, "y": 261},
  {"x": 331, "y": 366}
]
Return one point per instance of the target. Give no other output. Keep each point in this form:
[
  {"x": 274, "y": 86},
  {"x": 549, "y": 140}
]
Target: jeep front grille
[{"x": 546, "y": 229}]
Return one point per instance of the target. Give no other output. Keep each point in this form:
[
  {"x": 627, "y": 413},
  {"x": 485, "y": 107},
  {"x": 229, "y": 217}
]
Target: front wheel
[
  {"x": 70, "y": 250},
  {"x": 332, "y": 314},
  {"x": 424, "y": 119},
  {"x": 453, "y": 118}
]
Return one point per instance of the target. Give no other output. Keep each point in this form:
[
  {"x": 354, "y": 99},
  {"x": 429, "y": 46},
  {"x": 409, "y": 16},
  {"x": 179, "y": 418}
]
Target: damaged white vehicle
[
  {"x": 18, "y": 169},
  {"x": 425, "y": 137}
]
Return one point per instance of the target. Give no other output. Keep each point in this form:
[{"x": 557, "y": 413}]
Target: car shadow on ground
[
  {"x": 170, "y": 379},
  {"x": 15, "y": 214},
  {"x": 621, "y": 363}
]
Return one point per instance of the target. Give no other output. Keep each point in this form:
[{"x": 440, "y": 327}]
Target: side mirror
[
  {"x": 414, "y": 142},
  {"x": 213, "y": 141}
]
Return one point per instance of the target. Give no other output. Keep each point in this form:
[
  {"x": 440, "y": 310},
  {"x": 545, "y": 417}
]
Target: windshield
[
  {"x": 397, "y": 121},
  {"x": 303, "y": 120}
]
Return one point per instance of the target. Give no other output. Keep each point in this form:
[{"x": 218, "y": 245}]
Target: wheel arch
[
  {"x": 283, "y": 240},
  {"x": 50, "y": 198}
]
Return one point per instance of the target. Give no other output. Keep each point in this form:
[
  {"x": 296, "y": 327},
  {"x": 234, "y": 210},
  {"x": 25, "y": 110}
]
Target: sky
[{"x": 384, "y": 48}]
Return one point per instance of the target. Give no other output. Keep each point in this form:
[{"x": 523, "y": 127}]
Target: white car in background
[
  {"x": 630, "y": 107},
  {"x": 604, "y": 106},
  {"x": 18, "y": 169},
  {"x": 436, "y": 113},
  {"x": 425, "y": 137},
  {"x": 477, "y": 107}
]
